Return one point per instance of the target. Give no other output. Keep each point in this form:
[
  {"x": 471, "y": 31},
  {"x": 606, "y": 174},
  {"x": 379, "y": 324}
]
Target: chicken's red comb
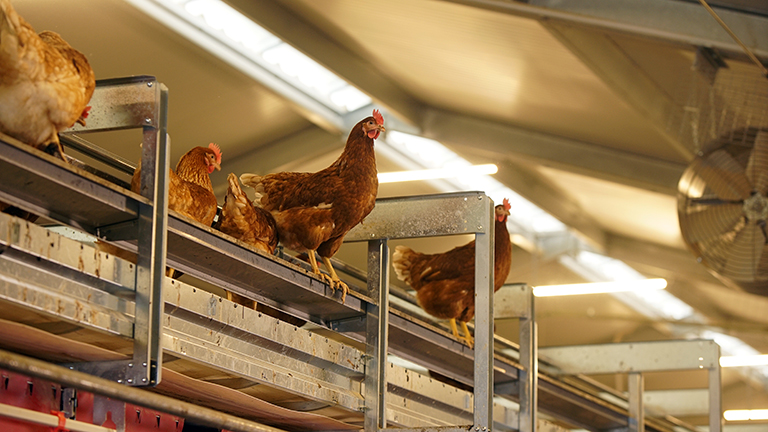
[
  {"x": 378, "y": 117},
  {"x": 85, "y": 112},
  {"x": 216, "y": 151},
  {"x": 506, "y": 204}
]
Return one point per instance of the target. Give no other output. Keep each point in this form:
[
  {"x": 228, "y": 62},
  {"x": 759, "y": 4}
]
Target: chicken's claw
[{"x": 334, "y": 281}]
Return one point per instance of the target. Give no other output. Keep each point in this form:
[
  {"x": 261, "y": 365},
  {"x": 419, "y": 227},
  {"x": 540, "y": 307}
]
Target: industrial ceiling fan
[{"x": 723, "y": 208}]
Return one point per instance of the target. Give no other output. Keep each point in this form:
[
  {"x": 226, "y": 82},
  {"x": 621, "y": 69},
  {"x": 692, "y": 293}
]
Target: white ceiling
[{"x": 579, "y": 103}]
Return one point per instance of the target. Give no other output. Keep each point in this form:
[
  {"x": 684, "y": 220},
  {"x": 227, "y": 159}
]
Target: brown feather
[
  {"x": 45, "y": 84},
  {"x": 445, "y": 282}
]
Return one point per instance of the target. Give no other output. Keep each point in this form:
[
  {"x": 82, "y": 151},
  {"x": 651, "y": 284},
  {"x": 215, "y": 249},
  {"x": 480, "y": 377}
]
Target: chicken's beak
[
  {"x": 217, "y": 166},
  {"x": 376, "y": 131}
]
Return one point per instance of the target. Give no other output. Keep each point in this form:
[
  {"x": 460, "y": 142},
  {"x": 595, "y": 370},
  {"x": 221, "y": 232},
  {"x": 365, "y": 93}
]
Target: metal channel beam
[
  {"x": 423, "y": 216},
  {"x": 633, "y": 357},
  {"x": 671, "y": 21},
  {"x": 45, "y": 185}
]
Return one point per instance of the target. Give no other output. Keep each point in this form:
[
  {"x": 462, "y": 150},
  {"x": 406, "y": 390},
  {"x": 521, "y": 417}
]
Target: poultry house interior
[{"x": 630, "y": 138}]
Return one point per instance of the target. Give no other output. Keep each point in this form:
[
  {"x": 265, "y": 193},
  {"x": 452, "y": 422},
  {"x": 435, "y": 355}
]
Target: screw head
[
  {"x": 130, "y": 364},
  {"x": 149, "y": 84},
  {"x": 147, "y": 120},
  {"x": 130, "y": 380},
  {"x": 144, "y": 364}
]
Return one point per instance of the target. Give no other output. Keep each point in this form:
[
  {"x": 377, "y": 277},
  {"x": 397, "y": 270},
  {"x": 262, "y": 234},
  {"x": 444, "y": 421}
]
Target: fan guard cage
[{"x": 722, "y": 202}]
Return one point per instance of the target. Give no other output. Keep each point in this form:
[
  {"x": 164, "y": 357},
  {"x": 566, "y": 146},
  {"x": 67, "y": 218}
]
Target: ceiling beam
[
  {"x": 506, "y": 142},
  {"x": 675, "y": 261},
  {"x": 601, "y": 54},
  {"x": 307, "y": 38},
  {"x": 671, "y": 21}
]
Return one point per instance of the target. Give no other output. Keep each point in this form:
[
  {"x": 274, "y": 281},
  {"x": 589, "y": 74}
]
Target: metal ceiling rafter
[
  {"x": 567, "y": 154},
  {"x": 671, "y": 21}
]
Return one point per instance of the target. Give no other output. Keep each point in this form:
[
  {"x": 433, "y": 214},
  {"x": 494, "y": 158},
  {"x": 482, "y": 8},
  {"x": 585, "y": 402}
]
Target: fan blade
[
  {"x": 724, "y": 176},
  {"x": 744, "y": 253},
  {"x": 709, "y": 222},
  {"x": 713, "y": 201},
  {"x": 757, "y": 166}
]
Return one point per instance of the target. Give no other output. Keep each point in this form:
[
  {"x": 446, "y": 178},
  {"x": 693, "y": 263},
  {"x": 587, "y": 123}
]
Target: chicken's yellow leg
[
  {"x": 335, "y": 281},
  {"x": 313, "y": 262},
  {"x": 454, "y": 329},
  {"x": 468, "y": 337},
  {"x": 316, "y": 269}
]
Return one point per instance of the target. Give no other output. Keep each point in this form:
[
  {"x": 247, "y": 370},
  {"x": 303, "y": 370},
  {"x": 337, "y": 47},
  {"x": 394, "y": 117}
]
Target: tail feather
[
  {"x": 235, "y": 190},
  {"x": 402, "y": 260},
  {"x": 9, "y": 38},
  {"x": 254, "y": 181}
]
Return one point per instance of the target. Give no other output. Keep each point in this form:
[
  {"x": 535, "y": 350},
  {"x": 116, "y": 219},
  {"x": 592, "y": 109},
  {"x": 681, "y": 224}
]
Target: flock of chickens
[{"x": 45, "y": 87}]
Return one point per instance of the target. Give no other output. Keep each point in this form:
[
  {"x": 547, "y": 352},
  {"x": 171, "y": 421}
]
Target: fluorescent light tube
[
  {"x": 741, "y": 415},
  {"x": 599, "y": 287},
  {"x": 744, "y": 360},
  {"x": 429, "y": 174}
]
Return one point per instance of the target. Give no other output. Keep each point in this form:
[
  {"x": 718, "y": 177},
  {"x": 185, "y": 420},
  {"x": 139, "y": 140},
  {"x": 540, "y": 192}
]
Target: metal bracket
[
  {"x": 120, "y": 231},
  {"x": 638, "y": 357},
  {"x": 128, "y": 103},
  {"x": 459, "y": 213}
]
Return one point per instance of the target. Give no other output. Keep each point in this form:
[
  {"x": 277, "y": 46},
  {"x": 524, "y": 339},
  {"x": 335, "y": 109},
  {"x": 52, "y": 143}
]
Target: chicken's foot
[
  {"x": 316, "y": 269},
  {"x": 468, "y": 338},
  {"x": 59, "y": 147},
  {"x": 335, "y": 281}
]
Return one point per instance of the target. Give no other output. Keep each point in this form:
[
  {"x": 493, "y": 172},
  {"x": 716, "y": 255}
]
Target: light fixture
[
  {"x": 243, "y": 44},
  {"x": 742, "y": 415},
  {"x": 599, "y": 287},
  {"x": 429, "y": 174},
  {"x": 742, "y": 361}
]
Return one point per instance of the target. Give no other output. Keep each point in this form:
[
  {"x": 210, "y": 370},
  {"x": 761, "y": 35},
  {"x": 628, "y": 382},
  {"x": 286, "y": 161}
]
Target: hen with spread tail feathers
[
  {"x": 445, "y": 282},
  {"x": 314, "y": 211},
  {"x": 45, "y": 84}
]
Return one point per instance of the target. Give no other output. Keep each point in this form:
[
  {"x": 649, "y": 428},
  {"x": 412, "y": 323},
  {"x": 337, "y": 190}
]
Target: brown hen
[
  {"x": 190, "y": 191},
  {"x": 445, "y": 282},
  {"x": 244, "y": 221},
  {"x": 255, "y": 226},
  {"x": 45, "y": 84},
  {"x": 314, "y": 211}
]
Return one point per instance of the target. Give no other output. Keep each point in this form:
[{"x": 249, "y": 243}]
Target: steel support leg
[
  {"x": 376, "y": 336},
  {"x": 484, "y": 246}
]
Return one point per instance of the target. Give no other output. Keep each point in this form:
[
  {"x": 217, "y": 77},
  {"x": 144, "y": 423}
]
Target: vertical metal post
[
  {"x": 484, "y": 265},
  {"x": 152, "y": 234},
  {"x": 636, "y": 409},
  {"x": 715, "y": 398},
  {"x": 376, "y": 336},
  {"x": 529, "y": 361}
]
